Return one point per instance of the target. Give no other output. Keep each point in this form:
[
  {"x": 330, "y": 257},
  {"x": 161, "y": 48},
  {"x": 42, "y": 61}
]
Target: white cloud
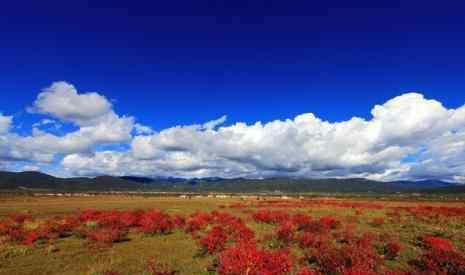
[
  {"x": 15, "y": 148},
  {"x": 97, "y": 125},
  {"x": 210, "y": 125},
  {"x": 12, "y": 148},
  {"x": 92, "y": 112},
  {"x": 112, "y": 129},
  {"x": 142, "y": 129},
  {"x": 61, "y": 100},
  {"x": 408, "y": 125},
  {"x": 47, "y": 122},
  {"x": 5, "y": 123},
  {"x": 407, "y": 137},
  {"x": 30, "y": 168}
]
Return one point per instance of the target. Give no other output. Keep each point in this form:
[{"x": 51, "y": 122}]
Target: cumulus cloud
[
  {"x": 305, "y": 146},
  {"x": 15, "y": 148},
  {"x": 61, "y": 100},
  {"x": 210, "y": 125},
  {"x": 5, "y": 123},
  {"x": 30, "y": 168},
  {"x": 112, "y": 129},
  {"x": 92, "y": 113},
  {"x": 142, "y": 129},
  {"x": 406, "y": 137},
  {"x": 12, "y": 148},
  {"x": 47, "y": 122}
]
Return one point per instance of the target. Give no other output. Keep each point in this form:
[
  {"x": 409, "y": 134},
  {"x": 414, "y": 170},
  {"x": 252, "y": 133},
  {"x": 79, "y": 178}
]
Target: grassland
[{"x": 179, "y": 251}]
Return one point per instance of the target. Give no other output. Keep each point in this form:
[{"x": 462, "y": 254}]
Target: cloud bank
[{"x": 407, "y": 137}]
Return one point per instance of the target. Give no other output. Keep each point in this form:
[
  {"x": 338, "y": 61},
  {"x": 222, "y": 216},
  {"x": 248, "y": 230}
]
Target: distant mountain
[
  {"x": 42, "y": 182},
  {"x": 37, "y": 182},
  {"x": 137, "y": 179},
  {"x": 450, "y": 189}
]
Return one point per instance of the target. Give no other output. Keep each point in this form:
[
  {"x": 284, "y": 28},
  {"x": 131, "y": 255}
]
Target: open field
[{"x": 49, "y": 235}]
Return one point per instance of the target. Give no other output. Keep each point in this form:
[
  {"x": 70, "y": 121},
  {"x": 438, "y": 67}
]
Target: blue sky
[{"x": 196, "y": 61}]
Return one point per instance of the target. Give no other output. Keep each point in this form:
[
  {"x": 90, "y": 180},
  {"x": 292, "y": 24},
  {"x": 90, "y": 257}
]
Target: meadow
[{"x": 111, "y": 235}]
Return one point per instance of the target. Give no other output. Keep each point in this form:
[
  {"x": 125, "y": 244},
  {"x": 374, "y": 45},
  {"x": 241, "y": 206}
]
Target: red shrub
[
  {"x": 89, "y": 215},
  {"x": 348, "y": 259},
  {"x": 437, "y": 243},
  {"x": 110, "y": 218},
  {"x": 392, "y": 250},
  {"x": 440, "y": 257},
  {"x": 357, "y": 271},
  {"x": 246, "y": 258},
  {"x": 394, "y": 215},
  {"x": 4, "y": 227},
  {"x": 19, "y": 218},
  {"x": 439, "y": 261},
  {"x": 214, "y": 240},
  {"x": 31, "y": 238},
  {"x": 238, "y": 205},
  {"x": 302, "y": 221},
  {"x": 356, "y": 257},
  {"x": 308, "y": 271},
  {"x": 16, "y": 234},
  {"x": 155, "y": 268},
  {"x": 329, "y": 222},
  {"x": 285, "y": 232},
  {"x": 156, "y": 222},
  {"x": 197, "y": 222},
  {"x": 131, "y": 218},
  {"x": 226, "y": 227},
  {"x": 54, "y": 229},
  {"x": 179, "y": 221},
  {"x": 237, "y": 230},
  {"x": 270, "y": 217},
  {"x": 345, "y": 236},
  {"x": 307, "y": 240},
  {"x": 107, "y": 235},
  {"x": 69, "y": 223},
  {"x": 378, "y": 221},
  {"x": 50, "y": 229}
]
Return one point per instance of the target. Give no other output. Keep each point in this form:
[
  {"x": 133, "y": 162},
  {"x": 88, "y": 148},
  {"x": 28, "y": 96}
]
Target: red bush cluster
[
  {"x": 107, "y": 235},
  {"x": 440, "y": 257},
  {"x": 318, "y": 203},
  {"x": 357, "y": 256},
  {"x": 197, "y": 221},
  {"x": 156, "y": 222},
  {"x": 392, "y": 250},
  {"x": 286, "y": 232},
  {"x": 113, "y": 226},
  {"x": 378, "y": 221},
  {"x": 325, "y": 245},
  {"x": 433, "y": 214},
  {"x": 246, "y": 258},
  {"x": 15, "y": 229},
  {"x": 105, "y": 227},
  {"x": 437, "y": 243},
  {"x": 270, "y": 217},
  {"x": 328, "y": 222},
  {"x": 226, "y": 228},
  {"x": 308, "y": 271},
  {"x": 302, "y": 221},
  {"x": 214, "y": 240}
]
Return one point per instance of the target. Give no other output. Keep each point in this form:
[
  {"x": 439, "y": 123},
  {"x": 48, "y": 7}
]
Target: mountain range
[{"x": 40, "y": 182}]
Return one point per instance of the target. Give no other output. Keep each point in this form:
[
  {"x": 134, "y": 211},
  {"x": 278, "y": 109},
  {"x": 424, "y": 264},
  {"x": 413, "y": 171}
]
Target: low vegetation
[{"x": 231, "y": 236}]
